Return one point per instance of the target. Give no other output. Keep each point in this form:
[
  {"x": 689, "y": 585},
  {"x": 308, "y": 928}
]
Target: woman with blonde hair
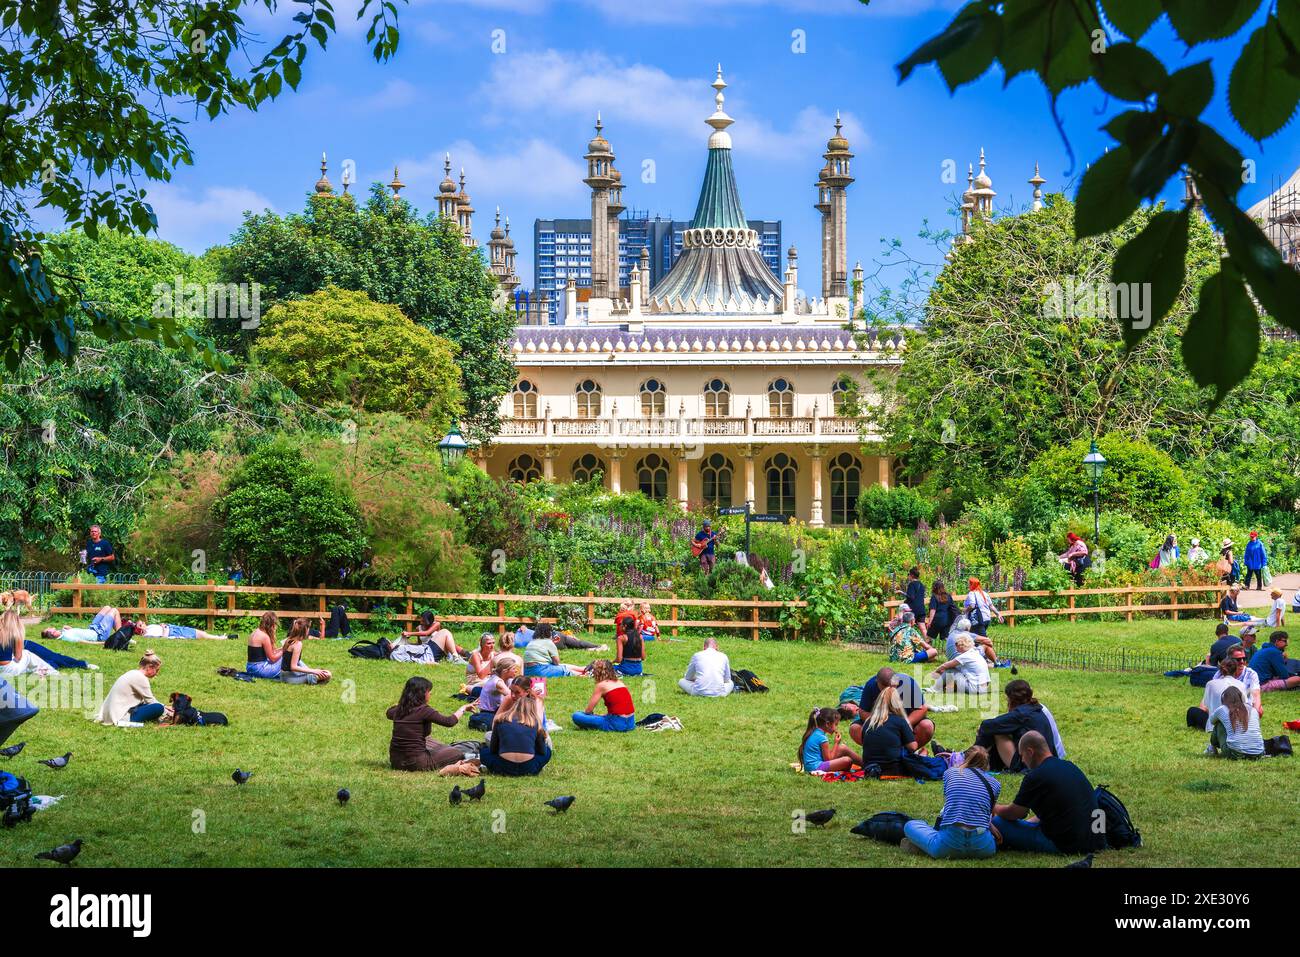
[
  {"x": 493, "y": 692},
  {"x": 20, "y": 657},
  {"x": 620, "y": 713},
  {"x": 518, "y": 746},
  {"x": 293, "y": 671},
  {"x": 886, "y": 733},
  {"x": 264, "y": 658},
  {"x": 965, "y": 826},
  {"x": 130, "y": 701}
]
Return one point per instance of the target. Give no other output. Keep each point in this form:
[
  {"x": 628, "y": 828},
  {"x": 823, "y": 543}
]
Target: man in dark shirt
[
  {"x": 1066, "y": 817},
  {"x": 1270, "y": 663},
  {"x": 911, "y": 696},
  {"x": 1223, "y": 640},
  {"x": 915, "y": 597},
  {"x": 99, "y": 555},
  {"x": 708, "y": 556}
]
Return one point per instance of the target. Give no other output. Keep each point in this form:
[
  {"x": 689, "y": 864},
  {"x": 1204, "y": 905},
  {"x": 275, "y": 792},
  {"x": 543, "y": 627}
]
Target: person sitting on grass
[
  {"x": 964, "y": 829},
  {"x": 626, "y": 612},
  {"x": 494, "y": 690},
  {"x": 542, "y": 658},
  {"x": 968, "y": 672},
  {"x": 479, "y": 667},
  {"x": 1061, "y": 799},
  {"x": 106, "y": 621},
  {"x": 21, "y": 657},
  {"x": 629, "y": 658},
  {"x": 620, "y": 713},
  {"x": 411, "y": 748},
  {"x": 264, "y": 658},
  {"x": 507, "y": 648},
  {"x": 1270, "y": 663},
  {"x": 433, "y": 634},
  {"x": 709, "y": 673},
  {"x": 909, "y": 695},
  {"x": 906, "y": 643},
  {"x": 1234, "y": 728},
  {"x": 646, "y": 623},
  {"x": 1229, "y": 610},
  {"x": 821, "y": 749},
  {"x": 159, "y": 630},
  {"x": 1232, "y": 668},
  {"x": 1223, "y": 640},
  {"x": 131, "y": 700},
  {"x": 518, "y": 745},
  {"x": 293, "y": 670},
  {"x": 1001, "y": 736},
  {"x": 983, "y": 643},
  {"x": 886, "y": 733}
]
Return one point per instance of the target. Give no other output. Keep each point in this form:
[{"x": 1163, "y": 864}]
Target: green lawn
[{"x": 721, "y": 792}]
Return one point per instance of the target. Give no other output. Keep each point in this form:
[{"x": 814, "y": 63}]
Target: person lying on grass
[
  {"x": 411, "y": 748},
  {"x": 106, "y": 621},
  {"x": 620, "y": 714},
  {"x": 630, "y": 656},
  {"x": 264, "y": 658},
  {"x": 159, "y": 630},
  {"x": 21, "y": 657},
  {"x": 822, "y": 748},
  {"x": 518, "y": 746},
  {"x": 293, "y": 670},
  {"x": 432, "y": 632}
]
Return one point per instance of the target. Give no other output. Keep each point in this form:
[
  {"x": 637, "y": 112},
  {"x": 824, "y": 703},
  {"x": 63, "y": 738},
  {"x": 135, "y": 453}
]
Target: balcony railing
[{"x": 804, "y": 426}]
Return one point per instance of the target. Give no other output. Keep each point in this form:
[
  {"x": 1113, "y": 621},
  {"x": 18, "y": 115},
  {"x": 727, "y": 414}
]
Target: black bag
[
  {"x": 1279, "y": 747},
  {"x": 1196, "y": 718},
  {"x": 1120, "y": 829},
  {"x": 1083, "y": 562},
  {"x": 884, "y": 826},
  {"x": 120, "y": 640},
  {"x": 378, "y": 650},
  {"x": 1202, "y": 675},
  {"x": 746, "y": 680}
]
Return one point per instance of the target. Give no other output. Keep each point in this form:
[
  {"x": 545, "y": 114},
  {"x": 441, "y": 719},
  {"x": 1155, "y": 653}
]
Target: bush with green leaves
[{"x": 899, "y": 507}]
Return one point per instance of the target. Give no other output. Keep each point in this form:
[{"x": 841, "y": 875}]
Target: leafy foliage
[{"x": 899, "y": 507}]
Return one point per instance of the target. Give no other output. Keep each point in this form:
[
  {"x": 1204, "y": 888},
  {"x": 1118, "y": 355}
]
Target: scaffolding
[{"x": 1282, "y": 227}]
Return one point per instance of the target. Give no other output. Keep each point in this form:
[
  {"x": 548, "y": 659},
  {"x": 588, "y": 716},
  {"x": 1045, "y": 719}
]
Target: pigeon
[
  {"x": 454, "y": 796},
  {"x": 241, "y": 777},
  {"x": 477, "y": 791},
  {"x": 1080, "y": 865},
  {"x": 63, "y": 854},
  {"x": 57, "y": 763},
  {"x": 343, "y": 795},
  {"x": 820, "y": 818},
  {"x": 12, "y": 750},
  {"x": 13, "y": 816},
  {"x": 561, "y": 804}
]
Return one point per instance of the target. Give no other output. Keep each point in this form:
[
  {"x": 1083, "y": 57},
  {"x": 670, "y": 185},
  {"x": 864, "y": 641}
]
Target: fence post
[
  {"x": 1073, "y": 618},
  {"x": 754, "y": 618},
  {"x": 501, "y": 614},
  {"x": 1011, "y": 607},
  {"x": 76, "y": 595},
  {"x": 144, "y": 600},
  {"x": 674, "y": 618},
  {"x": 1177, "y": 594},
  {"x": 591, "y": 615},
  {"x": 410, "y": 606},
  {"x": 320, "y": 601},
  {"x": 1128, "y": 603},
  {"x": 212, "y": 605}
]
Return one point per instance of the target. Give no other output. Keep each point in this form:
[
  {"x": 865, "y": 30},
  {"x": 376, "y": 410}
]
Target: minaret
[
  {"x": 1037, "y": 182},
  {"x": 465, "y": 213},
  {"x": 447, "y": 192},
  {"x": 323, "y": 185},
  {"x": 823, "y": 206},
  {"x": 1191, "y": 195},
  {"x": 497, "y": 249},
  {"x": 983, "y": 191},
  {"x": 511, "y": 281},
  {"x": 600, "y": 164},
  {"x": 613, "y": 210},
  {"x": 836, "y": 278},
  {"x": 396, "y": 185}
]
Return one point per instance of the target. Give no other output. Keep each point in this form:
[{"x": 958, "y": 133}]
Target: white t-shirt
[
  {"x": 973, "y": 666},
  {"x": 1215, "y": 689},
  {"x": 710, "y": 670},
  {"x": 1275, "y": 613}
]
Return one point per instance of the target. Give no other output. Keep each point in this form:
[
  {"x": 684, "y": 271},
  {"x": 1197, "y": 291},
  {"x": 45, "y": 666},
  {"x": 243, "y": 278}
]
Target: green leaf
[
  {"x": 1132, "y": 17},
  {"x": 958, "y": 33},
  {"x": 1136, "y": 129},
  {"x": 1217, "y": 159},
  {"x": 1262, "y": 92},
  {"x": 1288, "y": 15},
  {"x": 1189, "y": 90},
  {"x": 1196, "y": 21},
  {"x": 972, "y": 60},
  {"x": 1127, "y": 71},
  {"x": 1104, "y": 200},
  {"x": 1222, "y": 338},
  {"x": 292, "y": 73},
  {"x": 1154, "y": 168},
  {"x": 1154, "y": 262}
]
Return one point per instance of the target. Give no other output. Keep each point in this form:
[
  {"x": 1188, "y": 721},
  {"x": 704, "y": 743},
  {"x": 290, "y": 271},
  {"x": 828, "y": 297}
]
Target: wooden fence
[
  {"x": 1072, "y": 609},
  {"x": 84, "y": 602}
]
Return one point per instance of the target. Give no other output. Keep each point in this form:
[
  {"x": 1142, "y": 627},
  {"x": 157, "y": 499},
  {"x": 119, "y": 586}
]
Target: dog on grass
[
  {"x": 17, "y": 599},
  {"x": 185, "y": 712}
]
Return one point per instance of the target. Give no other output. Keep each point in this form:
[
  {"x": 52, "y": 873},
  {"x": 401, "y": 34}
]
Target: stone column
[
  {"x": 815, "y": 453},
  {"x": 683, "y": 480},
  {"x": 749, "y": 452},
  {"x": 549, "y": 452},
  {"x": 882, "y": 470},
  {"x": 616, "y": 471}
]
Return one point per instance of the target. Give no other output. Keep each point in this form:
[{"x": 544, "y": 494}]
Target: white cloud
[{"x": 197, "y": 222}]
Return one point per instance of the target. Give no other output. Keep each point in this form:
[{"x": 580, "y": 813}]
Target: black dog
[{"x": 186, "y": 713}]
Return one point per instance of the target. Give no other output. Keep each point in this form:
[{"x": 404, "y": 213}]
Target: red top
[{"x": 619, "y": 701}]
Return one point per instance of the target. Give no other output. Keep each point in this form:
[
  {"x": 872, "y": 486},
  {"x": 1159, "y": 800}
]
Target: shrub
[{"x": 900, "y": 507}]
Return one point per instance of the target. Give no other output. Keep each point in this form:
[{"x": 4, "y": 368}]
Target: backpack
[
  {"x": 120, "y": 640},
  {"x": 1202, "y": 675},
  {"x": 884, "y": 826},
  {"x": 378, "y": 650},
  {"x": 1120, "y": 829},
  {"x": 746, "y": 680},
  {"x": 13, "y": 789}
]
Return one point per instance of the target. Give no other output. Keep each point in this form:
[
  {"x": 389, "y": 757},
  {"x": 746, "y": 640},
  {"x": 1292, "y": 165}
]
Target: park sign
[
  {"x": 734, "y": 510},
  {"x": 768, "y": 517}
]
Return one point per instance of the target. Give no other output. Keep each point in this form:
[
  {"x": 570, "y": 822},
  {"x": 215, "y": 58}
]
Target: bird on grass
[
  {"x": 1080, "y": 865},
  {"x": 343, "y": 796},
  {"x": 454, "y": 796},
  {"x": 561, "y": 804},
  {"x": 57, "y": 763},
  {"x": 820, "y": 818},
  {"x": 241, "y": 777},
  {"x": 12, "y": 750},
  {"x": 477, "y": 791},
  {"x": 63, "y": 854}
]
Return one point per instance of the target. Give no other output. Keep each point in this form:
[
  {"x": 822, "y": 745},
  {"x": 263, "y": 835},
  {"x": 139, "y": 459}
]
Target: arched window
[
  {"x": 525, "y": 400},
  {"x": 653, "y": 398},
  {"x": 524, "y": 469},
  {"x": 716, "y": 473},
  {"x": 586, "y": 468},
  {"x": 842, "y": 396},
  {"x": 846, "y": 486},
  {"x": 588, "y": 395},
  {"x": 652, "y": 476},
  {"x": 717, "y": 399},
  {"x": 780, "y": 399},
  {"x": 781, "y": 471}
]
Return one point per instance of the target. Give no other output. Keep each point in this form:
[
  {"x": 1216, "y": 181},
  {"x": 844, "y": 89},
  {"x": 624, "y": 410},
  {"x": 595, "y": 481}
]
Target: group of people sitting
[
  {"x": 889, "y": 720},
  {"x": 917, "y": 630},
  {"x": 1232, "y": 703}
]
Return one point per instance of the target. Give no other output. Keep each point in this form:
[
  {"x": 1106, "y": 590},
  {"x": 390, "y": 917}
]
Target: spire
[
  {"x": 396, "y": 185},
  {"x": 720, "y": 138},
  {"x": 323, "y": 185},
  {"x": 1037, "y": 182}
]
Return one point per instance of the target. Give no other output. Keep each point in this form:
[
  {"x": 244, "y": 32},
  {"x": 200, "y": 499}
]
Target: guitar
[{"x": 698, "y": 547}]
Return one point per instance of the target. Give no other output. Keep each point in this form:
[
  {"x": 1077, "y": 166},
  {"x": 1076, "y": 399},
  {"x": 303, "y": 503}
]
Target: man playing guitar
[{"x": 702, "y": 546}]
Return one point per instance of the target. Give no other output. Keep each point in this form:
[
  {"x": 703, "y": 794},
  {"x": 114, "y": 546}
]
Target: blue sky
[{"x": 518, "y": 120}]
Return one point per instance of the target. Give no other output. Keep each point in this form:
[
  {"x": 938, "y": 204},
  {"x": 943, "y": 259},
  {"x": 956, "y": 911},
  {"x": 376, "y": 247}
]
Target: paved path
[{"x": 1288, "y": 582}]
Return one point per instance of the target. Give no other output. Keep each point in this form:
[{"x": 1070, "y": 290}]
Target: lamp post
[
  {"x": 1094, "y": 463},
  {"x": 452, "y": 447}
]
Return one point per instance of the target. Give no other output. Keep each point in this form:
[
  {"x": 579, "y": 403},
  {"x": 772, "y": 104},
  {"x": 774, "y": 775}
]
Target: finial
[
  {"x": 396, "y": 185},
  {"x": 719, "y": 139},
  {"x": 507, "y": 225},
  {"x": 838, "y": 124},
  {"x": 1037, "y": 182},
  {"x": 599, "y": 125},
  {"x": 981, "y": 159},
  {"x": 446, "y": 165},
  {"x": 323, "y": 184}
]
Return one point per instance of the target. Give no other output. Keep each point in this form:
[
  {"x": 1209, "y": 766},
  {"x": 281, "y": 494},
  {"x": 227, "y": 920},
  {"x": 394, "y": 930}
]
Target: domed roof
[
  {"x": 448, "y": 185},
  {"x": 837, "y": 143},
  {"x": 598, "y": 143}
]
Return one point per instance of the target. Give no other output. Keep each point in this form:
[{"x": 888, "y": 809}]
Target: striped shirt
[{"x": 966, "y": 799}]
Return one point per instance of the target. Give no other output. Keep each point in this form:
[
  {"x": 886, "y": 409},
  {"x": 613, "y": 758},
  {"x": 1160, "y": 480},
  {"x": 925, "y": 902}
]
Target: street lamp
[
  {"x": 452, "y": 447},
  {"x": 1094, "y": 463}
]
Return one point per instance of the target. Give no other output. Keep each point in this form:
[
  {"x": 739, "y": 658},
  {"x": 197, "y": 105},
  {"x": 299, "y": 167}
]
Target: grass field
[{"x": 721, "y": 792}]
